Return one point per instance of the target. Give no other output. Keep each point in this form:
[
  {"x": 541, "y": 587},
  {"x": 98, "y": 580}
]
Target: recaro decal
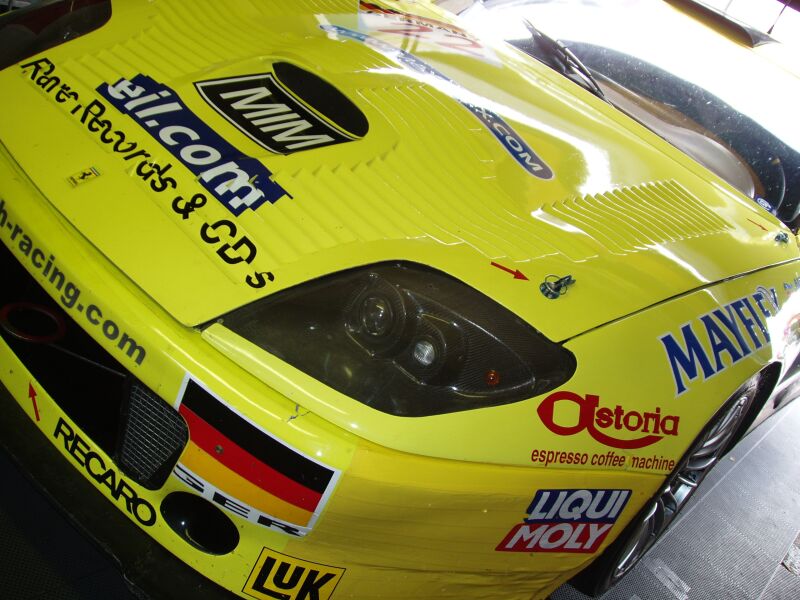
[
  {"x": 277, "y": 575},
  {"x": 238, "y": 181},
  {"x": 275, "y": 109},
  {"x": 566, "y": 521},
  {"x": 91, "y": 462},
  {"x": 512, "y": 142},
  {"x": 595, "y": 419},
  {"x": 720, "y": 338}
]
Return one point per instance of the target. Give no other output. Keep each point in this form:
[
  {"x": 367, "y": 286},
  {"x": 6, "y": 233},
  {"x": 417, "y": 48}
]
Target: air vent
[
  {"x": 631, "y": 219},
  {"x": 153, "y": 436}
]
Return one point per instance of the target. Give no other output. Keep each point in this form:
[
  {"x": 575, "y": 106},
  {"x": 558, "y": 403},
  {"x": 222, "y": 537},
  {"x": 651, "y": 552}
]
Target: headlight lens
[{"x": 406, "y": 340}]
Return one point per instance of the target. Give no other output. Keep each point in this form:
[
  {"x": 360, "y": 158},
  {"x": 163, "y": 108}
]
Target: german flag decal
[{"x": 247, "y": 471}]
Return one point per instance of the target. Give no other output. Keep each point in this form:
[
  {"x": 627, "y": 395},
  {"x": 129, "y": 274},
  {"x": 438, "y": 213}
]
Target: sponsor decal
[
  {"x": 511, "y": 141},
  {"x": 239, "y": 182},
  {"x": 441, "y": 35},
  {"x": 270, "y": 115},
  {"x": 91, "y": 462},
  {"x": 230, "y": 245},
  {"x": 610, "y": 459},
  {"x": 48, "y": 272},
  {"x": 277, "y": 575},
  {"x": 597, "y": 420},
  {"x": 566, "y": 521},
  {"x": 720, "y": 338},
  {"x": 247, "y": 471},
  {"x": 83, "y": 176}
]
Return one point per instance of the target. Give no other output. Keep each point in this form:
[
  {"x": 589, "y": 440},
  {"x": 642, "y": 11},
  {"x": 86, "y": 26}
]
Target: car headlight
[{"x": 406, "y": 340}]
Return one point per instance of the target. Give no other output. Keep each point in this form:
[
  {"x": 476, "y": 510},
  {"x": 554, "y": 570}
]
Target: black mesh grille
[{"x": 153, "y": 436}]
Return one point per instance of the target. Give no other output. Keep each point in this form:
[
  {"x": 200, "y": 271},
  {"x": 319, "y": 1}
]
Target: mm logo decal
[
  {"x": 239, "y": 182},
  {"x": 566, "y": 521},
  {"x": 277, "y": 575},
  {"x": 275, "y": 109}
]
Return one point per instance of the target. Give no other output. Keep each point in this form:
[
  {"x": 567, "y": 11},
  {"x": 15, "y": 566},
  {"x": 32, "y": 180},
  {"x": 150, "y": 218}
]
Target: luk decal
[
  {"x": 119, "y": 489},
  {"x": 720, "y": 338},
  {"x": 594, "y": 419},
  {"x": 266, "y": 110},
  {"x": 247, "y": 471},
  {"x": 512, "y": 142},
  {"x": 277, "y": 575},
  {"x": 239, "y": 182},
  {"x": 566, "y": 521}
]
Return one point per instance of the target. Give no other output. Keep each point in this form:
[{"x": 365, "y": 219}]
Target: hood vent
[{"x": 631, "y": 219}]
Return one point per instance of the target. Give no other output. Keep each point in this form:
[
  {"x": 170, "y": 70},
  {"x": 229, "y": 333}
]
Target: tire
[{"x": 719, "y": 436}]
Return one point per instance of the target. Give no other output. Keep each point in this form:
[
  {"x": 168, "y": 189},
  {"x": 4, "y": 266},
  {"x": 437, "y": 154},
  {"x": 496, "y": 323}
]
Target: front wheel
[{"x": 722, "y": 432}]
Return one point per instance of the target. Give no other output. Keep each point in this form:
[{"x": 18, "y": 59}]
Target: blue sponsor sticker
[
  {"x": 577, "y": 506},
  {"x": 720, "y": 338},
  {"x": 238, "y": 181},
  {"x": 513, "y": 143}
]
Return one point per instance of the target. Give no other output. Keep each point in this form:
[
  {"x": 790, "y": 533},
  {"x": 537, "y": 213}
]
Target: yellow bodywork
[{"x": 653, "y": 241}]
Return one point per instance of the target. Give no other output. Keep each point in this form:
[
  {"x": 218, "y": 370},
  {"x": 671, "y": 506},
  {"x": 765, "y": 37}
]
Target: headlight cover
[{"x": 406, "y": 340}]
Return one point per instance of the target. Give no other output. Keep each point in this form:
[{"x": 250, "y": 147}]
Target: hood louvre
[{"x": 631, "y": 219}]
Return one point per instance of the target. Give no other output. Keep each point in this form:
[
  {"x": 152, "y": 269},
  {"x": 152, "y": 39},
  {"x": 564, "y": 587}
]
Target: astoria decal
[
  {"x": 566, "y": 521},
  {"x": 720, "y": 338},
  {"x": 239, "y": 182},
  {"x": 595, "y": 419}
]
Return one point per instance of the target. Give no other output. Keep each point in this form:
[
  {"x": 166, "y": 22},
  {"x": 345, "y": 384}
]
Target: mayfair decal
[
  {"x": 269, "y": 114},
  {"x": 247, "y": 471},
  {"x": 597, "y": 420},
  {"x": 239, "y": 182},
  {"x": 94, "y": 465},
  {"x": 512, "y": 142},
  {"x": 720, "y": 338},
  {"x": 566, "y": 521},
  {"x": 277, "y": 575}
]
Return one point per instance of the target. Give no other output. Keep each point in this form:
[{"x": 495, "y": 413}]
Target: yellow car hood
[{"x": 423, "y": 144}]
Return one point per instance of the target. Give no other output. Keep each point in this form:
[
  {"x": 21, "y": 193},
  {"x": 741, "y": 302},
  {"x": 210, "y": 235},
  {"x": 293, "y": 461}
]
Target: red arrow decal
[
  {"x": 516, "y": 272},
  {"x": 32, "y": 396}
]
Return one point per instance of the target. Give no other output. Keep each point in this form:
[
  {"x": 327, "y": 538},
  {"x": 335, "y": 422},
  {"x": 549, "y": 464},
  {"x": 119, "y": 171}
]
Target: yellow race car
[{"x": 335, "y": 299}]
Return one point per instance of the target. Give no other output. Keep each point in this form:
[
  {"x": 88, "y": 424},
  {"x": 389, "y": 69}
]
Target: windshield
[{"x": 735, "y": 95}]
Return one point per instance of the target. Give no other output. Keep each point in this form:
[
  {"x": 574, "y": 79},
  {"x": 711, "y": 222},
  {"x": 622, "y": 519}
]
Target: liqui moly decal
[
  {"x": 238, "y": 181},
  {"x": 602, "y": 422},
  {"x": 511, "y": 141},
  {"x": 566, "y": 521},
  {"x": 720, "y": 338}
]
